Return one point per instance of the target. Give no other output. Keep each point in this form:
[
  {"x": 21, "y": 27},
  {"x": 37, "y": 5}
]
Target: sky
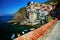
[{"x": 8, "y": 7}]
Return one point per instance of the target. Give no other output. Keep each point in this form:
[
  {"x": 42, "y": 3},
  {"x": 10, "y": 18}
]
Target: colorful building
[{"x": 35, "y": 11}]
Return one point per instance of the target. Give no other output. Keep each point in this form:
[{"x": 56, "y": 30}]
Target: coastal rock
[{"x": 19, "y": 16}]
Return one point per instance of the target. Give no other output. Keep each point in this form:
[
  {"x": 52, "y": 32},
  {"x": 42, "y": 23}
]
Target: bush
[{"x": 49, "y": 18}]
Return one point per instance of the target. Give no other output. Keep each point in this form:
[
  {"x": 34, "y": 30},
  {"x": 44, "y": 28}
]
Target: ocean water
[
  {"x": 5, "y": 18},
  {"x": 9, "y": 31},
  {"x": 5, "y": 31}
]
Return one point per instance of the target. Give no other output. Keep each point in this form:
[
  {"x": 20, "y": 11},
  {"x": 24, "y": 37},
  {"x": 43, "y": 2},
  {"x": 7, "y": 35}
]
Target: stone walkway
[{"x": 55, "y": 35}]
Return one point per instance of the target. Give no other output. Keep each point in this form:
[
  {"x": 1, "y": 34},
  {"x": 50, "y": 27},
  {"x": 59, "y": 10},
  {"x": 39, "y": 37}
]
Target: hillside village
[
  {"x": 38, "y": 12},
  {"x": 34, "y": 21},
  {"x": 34, "y": 13}
]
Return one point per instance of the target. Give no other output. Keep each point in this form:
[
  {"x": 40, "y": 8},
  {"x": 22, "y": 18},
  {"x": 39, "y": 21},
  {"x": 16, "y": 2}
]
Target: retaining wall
[{"x": 39, "y": 33}]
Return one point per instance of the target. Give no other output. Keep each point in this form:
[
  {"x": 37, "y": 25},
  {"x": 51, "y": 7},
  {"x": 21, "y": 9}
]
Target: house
[{"x": 35, "y": 11}]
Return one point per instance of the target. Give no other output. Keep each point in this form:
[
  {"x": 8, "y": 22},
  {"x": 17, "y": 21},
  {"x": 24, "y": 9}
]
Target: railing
[{"x": 35, "y": 34}]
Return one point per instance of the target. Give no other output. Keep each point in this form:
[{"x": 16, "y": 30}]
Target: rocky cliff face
[{"x": 19, "y": 16}]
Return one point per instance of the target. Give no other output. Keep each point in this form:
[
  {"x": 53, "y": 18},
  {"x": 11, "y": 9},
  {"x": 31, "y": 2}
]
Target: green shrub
[{"x": 49, "y": 18}]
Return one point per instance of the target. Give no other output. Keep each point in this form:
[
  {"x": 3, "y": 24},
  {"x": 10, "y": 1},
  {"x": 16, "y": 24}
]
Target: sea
[
  {"x": 9, "y": 32},
  {"x": 6, "y": 18},
  {"x": 5, "y": 32}
]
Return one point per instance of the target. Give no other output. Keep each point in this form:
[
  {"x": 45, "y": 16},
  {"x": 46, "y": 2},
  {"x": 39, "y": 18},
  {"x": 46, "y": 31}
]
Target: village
[
  {"x": 30, "y": 20},
  {"x": 37, "y": 13}
]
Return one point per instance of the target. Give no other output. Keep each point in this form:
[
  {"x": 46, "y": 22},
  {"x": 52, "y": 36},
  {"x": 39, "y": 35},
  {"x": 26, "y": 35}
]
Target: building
[{"x": 37, "y": 11}]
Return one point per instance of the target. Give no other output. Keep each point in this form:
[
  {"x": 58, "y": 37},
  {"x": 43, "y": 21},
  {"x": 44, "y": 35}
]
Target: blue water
[
  {"x": 7, "y": 30},
  {"x": 5, "y": 27},
  {"x": 6, "y": 18}
]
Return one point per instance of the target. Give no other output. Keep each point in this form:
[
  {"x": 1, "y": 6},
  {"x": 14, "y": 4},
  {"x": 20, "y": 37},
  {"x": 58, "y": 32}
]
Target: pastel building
[
  {"x": 36, "y": 10},
  {"x": 31, "y": 12}
]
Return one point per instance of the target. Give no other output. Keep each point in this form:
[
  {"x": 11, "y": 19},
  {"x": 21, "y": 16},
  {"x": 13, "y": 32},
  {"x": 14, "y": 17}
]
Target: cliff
[{"x": 19, "y": 16}]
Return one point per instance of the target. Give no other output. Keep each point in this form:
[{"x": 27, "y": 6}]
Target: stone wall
[{"x": 40, "y": 33}]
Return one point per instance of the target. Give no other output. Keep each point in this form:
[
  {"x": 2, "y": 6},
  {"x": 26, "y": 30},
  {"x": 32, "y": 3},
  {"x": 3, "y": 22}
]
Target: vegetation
[
  {"x": 19, "y": 16},
  {"x": 22, "y": 10},
  {"x": 49, "y": 18},
  {"x": 51, "y": 1}
]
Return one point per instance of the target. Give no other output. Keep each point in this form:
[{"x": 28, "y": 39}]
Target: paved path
[{"x": 55, "y": 35}]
